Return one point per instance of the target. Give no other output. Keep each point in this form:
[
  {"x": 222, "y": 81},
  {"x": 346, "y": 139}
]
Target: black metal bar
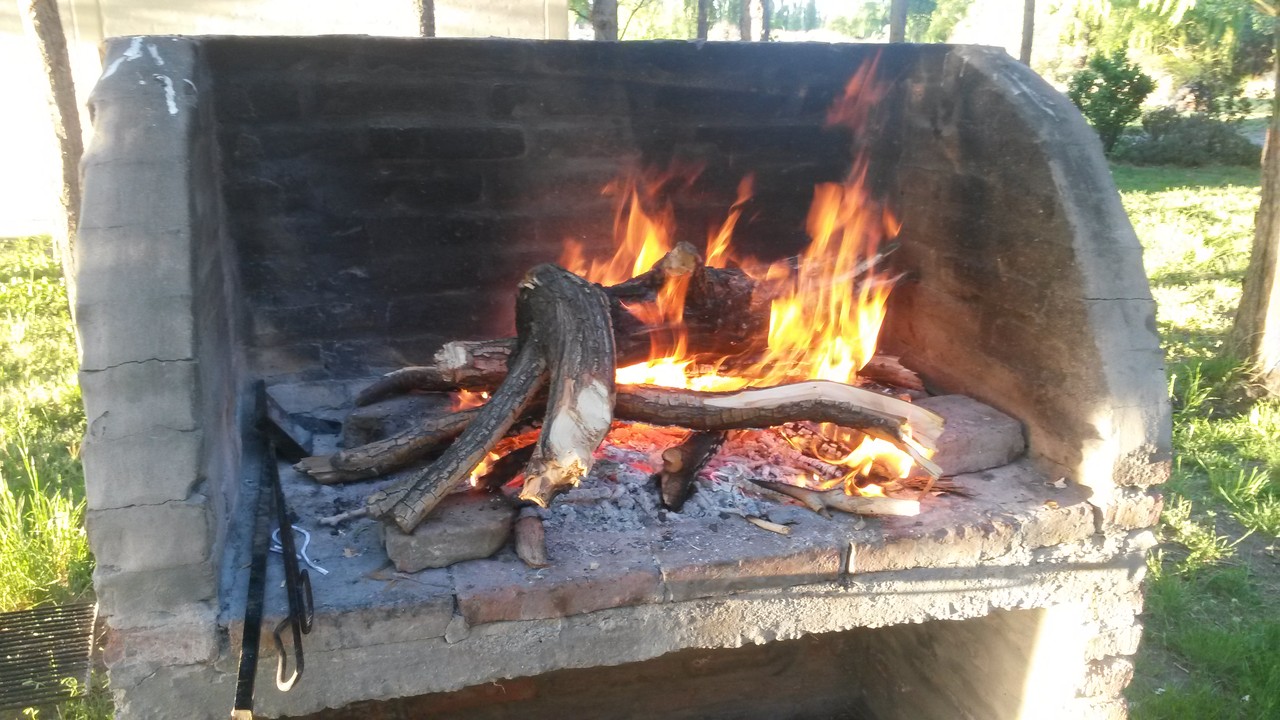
[{"x": 255, "y": 597}]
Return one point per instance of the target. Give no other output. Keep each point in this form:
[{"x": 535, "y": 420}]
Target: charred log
[
  {"x": 681, "y": 464},
  {"x": 411, "y": 501},
  {"x": 398, "y": 451}
]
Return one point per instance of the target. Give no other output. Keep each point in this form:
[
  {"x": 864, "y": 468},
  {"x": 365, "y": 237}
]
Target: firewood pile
[{"x": 552, "y": 398}]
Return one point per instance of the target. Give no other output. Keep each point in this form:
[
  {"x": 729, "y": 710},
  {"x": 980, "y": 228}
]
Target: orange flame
[
  {"x": 827, "y": 312},
  {"x": 467, "y": 399}
]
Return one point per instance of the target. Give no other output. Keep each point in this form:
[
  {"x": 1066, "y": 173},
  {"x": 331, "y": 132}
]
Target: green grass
[
  {"x": 1212, "y": 642},
  {"x": 44, "y": 555}
]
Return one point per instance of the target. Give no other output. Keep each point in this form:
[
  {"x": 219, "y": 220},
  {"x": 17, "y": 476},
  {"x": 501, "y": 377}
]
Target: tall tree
[
  {"x": 1255, "y": 334},
  {"x": 1028, "y": 30},
  {"x": 766, "y": 19},
  {"x": 427, "y": 18},
  {"x": 604, "y": 18},
  {"x": 897, "y": 21},
  {"x": 744, "y": 20},
  {"x": 44, "y": 26},
  {"x": 704, "y": 7}
]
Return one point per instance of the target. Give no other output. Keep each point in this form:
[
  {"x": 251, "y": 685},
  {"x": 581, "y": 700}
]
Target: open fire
[{"x": 806, "y": 326}]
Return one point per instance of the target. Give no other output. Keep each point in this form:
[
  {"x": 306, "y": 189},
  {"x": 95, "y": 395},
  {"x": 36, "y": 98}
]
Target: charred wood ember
[
  {"x": 510, "y": 462},
  {"x": 680, "y": 465},
  {"x": 567, "y": 319},
  {"x": 823, "y": 501}
]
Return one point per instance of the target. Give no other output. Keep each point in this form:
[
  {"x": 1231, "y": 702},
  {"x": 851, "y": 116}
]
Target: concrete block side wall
[
  {"x": 159, "y": 373},
  {"x": 1012, "y": 222}
]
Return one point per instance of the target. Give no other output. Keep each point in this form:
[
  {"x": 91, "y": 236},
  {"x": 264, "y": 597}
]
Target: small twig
[
  {"x": 766, "y": 525},
  {"x": 335, "y": 520}
]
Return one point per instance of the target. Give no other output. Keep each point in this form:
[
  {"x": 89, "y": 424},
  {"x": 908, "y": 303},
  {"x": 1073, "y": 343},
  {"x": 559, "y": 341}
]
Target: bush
[
  {"x": 1170, "y": 138},
  {"x": 1109, "y": 91}
]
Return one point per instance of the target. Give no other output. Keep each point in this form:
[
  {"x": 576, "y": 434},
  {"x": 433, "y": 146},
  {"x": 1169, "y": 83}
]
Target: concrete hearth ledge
[{"x": 614, "y": 598}]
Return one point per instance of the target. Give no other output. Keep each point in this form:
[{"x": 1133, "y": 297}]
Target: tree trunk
[
  {"x": 604, "y": 18},
  {"x": 1255, "y": 334},
  {"x": 1028, "y": 30},
  {"x": 766, "y": 19},
  {"x": 44, "y": 26},
  {"x": 744, "y": 20},
  {"x": 703, "y": 7},
  {"x": 898, "y": 21},
  {"x": 427, "y": 18}
]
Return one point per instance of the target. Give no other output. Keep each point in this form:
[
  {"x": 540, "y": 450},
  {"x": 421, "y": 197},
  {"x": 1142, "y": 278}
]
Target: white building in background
[{"x": 29, "y": 173}]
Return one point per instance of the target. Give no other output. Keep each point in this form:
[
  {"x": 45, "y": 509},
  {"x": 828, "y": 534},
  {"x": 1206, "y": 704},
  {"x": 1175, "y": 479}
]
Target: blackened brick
[{"x": 446, "y": 143}]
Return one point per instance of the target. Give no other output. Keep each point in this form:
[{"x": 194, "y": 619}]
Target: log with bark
[
  {"x": 681, "y": 464},
  {"x": 568, "y": 320},
  {"x": 911, "y": 428},
  {"x": 409, "y": 502},
  {"x": 564, "y": 325},
  {"x": 531, "y": 538}
]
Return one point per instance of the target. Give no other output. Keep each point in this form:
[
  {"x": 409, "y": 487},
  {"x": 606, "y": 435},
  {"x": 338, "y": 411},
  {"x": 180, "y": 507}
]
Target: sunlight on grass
[
  {"x": 44, "y": 556},
  {"x": 1212, "y": 642}
]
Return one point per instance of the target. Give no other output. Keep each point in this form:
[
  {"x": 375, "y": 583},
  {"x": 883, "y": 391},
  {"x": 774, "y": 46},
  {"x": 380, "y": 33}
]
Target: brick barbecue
[{"x": 314, "y": 212}]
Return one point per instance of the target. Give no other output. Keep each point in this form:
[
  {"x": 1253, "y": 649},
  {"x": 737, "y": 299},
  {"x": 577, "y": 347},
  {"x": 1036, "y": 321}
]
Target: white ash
[{"x": 619, "y": 495}]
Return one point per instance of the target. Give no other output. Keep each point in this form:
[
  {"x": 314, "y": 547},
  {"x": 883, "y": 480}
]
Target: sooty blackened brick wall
[{"x": 387, "y": 195}]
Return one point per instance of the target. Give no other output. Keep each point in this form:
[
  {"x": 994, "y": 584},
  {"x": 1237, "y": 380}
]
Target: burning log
[
  {"x": 820, "y": 502},
  {"x": 568, "y": 319},
  {"x": 507, "y": 467},
  {"x": 910, "y": 427},
  {"x": 724, "y": 314},
  {"x": 564, "y": 323},
  {"x": 531, "y": 538},
  {"x": 680, "y": 464},
  {"x": 411, "y": 501}
]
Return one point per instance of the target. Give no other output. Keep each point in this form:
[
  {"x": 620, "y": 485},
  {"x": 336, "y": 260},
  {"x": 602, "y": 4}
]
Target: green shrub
[
  {"x": 1170, "y": 138},
  {"x": 1109, "y": 91}
]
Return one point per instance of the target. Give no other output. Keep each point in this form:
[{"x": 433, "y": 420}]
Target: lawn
[{"x": 1212, "y": 642}]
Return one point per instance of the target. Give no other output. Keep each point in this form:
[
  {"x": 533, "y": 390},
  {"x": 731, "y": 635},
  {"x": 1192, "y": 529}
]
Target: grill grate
[{"x": 40, "y": 649}]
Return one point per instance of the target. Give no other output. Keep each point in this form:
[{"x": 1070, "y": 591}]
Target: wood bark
[
  {"x": 897, "y": 21},
  {"x": 568, "y": 318},
  {"x": 766, "y": 20},
  {"x": 1255, "y": 333},
  {"x": 704, "y": 7},
  {"x": 911, "y": 428},
  {"x": 888, "y": 369},
  {"x": 531, "y": 538},
  {"x": 604, "y": 18},
  {"x": 408, "y": 503},
  {"x": 744, "y": 20},
  {"x": 1028, "y": 30},
  {"x": 681, "y": 464},
  {"x": 43, "y": 25},
  {"x": 390, "y": 454}
]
